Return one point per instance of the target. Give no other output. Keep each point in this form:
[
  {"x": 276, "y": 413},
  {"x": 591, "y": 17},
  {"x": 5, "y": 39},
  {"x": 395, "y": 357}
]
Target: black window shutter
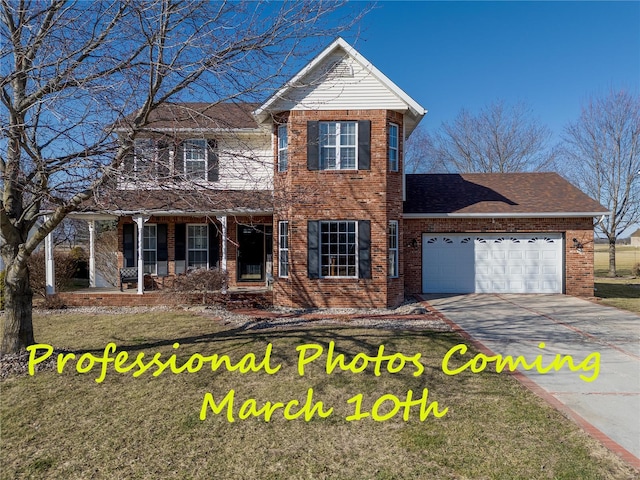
[
  {"x": 313, "y": 250},
  {"x": 313, "y": 142},
  {"x": 364, "y": 145},
  {"x": 181, "y": 241},
  {"x": 213, "y": 172},
  {"x": 129, "y": 246},
  {"x": 162, "y": 246},
  {"x": 178, "y": 159},
  {"x": 364, "y": 249},
  {"x": 213, "y": 246}
]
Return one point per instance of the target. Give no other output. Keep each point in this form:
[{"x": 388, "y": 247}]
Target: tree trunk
[
  {"x": 612, "y": 258},
  {"x": 18, "y": 324}
]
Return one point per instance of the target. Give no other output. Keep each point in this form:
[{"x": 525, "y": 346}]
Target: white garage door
[{"x": 508, "y": 263}]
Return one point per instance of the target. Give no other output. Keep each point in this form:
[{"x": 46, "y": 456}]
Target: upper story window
[
  {"x": 150, "y": 158},
  {"x": 393, "y": 147},
  {"x": 283, "y": 145},
  {"x": 195, "y": 159},
  {"x": 338, "y": 146}
]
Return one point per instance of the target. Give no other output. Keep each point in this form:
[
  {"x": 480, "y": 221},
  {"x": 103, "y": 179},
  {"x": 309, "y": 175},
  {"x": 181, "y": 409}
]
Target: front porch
[{"x": 233, "y": 298}]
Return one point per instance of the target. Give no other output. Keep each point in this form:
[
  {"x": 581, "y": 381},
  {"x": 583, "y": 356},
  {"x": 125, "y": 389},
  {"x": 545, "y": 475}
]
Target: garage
[{"x": 492, "y": 263}]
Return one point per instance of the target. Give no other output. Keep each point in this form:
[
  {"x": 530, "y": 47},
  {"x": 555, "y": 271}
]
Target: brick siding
[{"x": 303, "y": 195}]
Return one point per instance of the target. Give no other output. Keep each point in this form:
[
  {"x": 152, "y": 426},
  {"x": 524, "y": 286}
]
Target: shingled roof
[
  {"x": 496, "y": 194},
  {"x": 180, "y": 202},
  {"x": 202, "y": 116}
]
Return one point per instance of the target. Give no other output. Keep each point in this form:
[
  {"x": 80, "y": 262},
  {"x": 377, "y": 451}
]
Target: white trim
[
  {"x": 338, "y": 146},
  {"x": 396, "y": 148},
  {"x": 261, "y": 112},
  {"x": 396, "y": 249},
  {"x": 356, "y": 243},
  {"x": 503, "y": 215},
  {"x": 50, "y": 269},
  {"x": 140, "y": 220},
  {"x": 223, "y": 261},
  {"x": 281, "y": 249},
  {"x": 92, "y": 254}
]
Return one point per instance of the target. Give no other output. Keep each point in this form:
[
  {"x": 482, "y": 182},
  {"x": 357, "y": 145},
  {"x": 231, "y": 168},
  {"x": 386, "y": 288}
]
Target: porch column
[
  {"x": 49, "y": 265},
  {"x": 223, "y": 260},
  {"x": 92, "y": 254},
  {"x": 140, "y": 221}
]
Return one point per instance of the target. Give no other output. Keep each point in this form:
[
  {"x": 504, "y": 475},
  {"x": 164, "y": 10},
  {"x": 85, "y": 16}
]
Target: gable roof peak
[{"x": 262, "y": 113}]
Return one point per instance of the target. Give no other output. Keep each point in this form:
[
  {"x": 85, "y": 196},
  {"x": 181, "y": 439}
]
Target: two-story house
[{"x": 307, "y": 191}]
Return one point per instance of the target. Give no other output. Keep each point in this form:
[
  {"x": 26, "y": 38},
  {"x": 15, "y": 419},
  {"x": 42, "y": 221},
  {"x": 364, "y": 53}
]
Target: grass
[
  {"x": 622, "y": 291},
  {"x": 68, "y": 426}
]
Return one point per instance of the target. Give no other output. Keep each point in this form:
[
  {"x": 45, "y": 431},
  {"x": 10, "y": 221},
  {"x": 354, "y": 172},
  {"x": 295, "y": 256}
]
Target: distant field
[
  {"x": 626, "y": 257},
  {"x": 624, "y": 290}
]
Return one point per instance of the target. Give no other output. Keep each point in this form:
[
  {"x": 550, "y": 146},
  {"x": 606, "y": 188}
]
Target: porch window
[
  {"x": 197, "y": 246},
  {"x": 195, "y": 159},
  {"x": 393, "y": 147},
  {"x": 393, "y": 248},
  {"x": 338, "y": 146},
  {"x": 149, "y": 248},
  {"x": 283, "y": 145},
  {"x": 283, "y": 249}
]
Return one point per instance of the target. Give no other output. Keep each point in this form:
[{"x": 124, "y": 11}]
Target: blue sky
[{"x": 552, "y": 55}]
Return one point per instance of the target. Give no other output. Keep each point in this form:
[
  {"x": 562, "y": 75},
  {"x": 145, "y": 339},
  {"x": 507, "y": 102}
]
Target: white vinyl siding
[{"x": 357, "y": 91}]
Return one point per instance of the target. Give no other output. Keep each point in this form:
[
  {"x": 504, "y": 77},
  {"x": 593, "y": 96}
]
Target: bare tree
[
  {"x": 499, "y": 138},
  {"x": 602, "y": 149},
  {"x": 72, "y": 71},
  {"x": 419, "y": 153}
]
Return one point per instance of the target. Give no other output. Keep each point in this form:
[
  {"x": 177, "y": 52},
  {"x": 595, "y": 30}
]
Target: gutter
[{"x": 505, "y": 215}]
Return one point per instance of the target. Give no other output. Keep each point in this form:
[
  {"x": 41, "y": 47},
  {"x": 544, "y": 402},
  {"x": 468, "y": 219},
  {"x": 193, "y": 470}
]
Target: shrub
[
  {"x": 635, "y": 270},
  {"x": 65, "y": 268},
  {"x": 201, "y": 280}
]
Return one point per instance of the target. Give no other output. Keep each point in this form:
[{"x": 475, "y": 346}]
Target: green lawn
[
  {"x": 69, "y": 426},
  {"x": 624, "y": 290}
]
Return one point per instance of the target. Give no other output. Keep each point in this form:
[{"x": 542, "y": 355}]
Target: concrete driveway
[{"x": 608, "y": 407}]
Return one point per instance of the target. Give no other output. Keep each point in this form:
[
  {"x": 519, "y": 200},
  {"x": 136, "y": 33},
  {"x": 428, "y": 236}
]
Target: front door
[{"x": 254, "y": 250}]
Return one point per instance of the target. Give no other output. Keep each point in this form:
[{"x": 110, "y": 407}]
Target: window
[
  {"x": 338, "y": 146},
  {"x": 283, "y": 249},
  {"x": 150, "y": 158},
  {"x": 195, "y": 159},
  {"x": 149, "y": 248},
  {"x": 393, "y": 147},
  {"x": 283, "y": 158},
  {"x": 338, "y": 249},
  {"x": 393, "y": 248},
  {"x": 197, "y": 246}
]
